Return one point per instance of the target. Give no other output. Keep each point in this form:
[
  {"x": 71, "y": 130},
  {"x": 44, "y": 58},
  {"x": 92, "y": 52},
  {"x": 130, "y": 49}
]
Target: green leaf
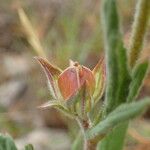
[
  {"x": 124, "y": 78},
  {"x": 123, "y": 113},
  {"x": 29, "y": 147},
  {"x": 115, "y": 139},
  {"x": 139, "y": 72},
  {"x": 7, "y": 143},
  {"x": 139, "y": 29},
  {"x": 112, "y": 37}
]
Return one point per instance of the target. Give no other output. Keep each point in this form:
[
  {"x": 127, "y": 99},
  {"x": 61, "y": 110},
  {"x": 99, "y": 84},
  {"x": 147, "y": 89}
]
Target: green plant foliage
[
  {"x": 114, "y": 140},
  {"x": 138, "y": 31},
  {"x": 6, "y": 143},
  {"x": 121, "y": 114},
  {"x": 123, "y": 75},
  {"x": 117, "y": 91},
  {"x": 118, "y": 75},
  {"x": 112, "y": 36},
  {"x": 138, "y": 75}
]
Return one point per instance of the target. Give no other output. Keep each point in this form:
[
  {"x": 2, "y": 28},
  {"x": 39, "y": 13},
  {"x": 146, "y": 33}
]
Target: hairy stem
[
  {"x": 88, "y": 144},
  {"x": 138, "y": 30}
]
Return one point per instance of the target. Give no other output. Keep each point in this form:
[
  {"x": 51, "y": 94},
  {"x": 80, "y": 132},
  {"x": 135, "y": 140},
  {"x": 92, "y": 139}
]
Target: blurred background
[{"x": 60, "y": 30}]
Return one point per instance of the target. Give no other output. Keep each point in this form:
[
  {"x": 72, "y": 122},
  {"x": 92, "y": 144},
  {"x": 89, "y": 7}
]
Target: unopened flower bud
[{"x": 71, "y": 80}]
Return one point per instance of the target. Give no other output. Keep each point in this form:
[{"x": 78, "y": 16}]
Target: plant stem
[
  {"x": 138, "y": 30},
  {"x": 88, "y": 144}
]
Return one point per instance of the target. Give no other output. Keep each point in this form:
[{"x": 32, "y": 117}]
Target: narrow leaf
[
  {"x": 112, "y": 36},
  {"x": 138, "y": 75},
  {"x": 139, "y": 30},
  {"x": 115, "y": 139},
  {"x": 124, "y": 78},
  {"x": 121, "y": 114}
]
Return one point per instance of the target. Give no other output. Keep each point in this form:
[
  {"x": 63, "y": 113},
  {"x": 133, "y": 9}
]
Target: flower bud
[{"x": 71, "y": 80}]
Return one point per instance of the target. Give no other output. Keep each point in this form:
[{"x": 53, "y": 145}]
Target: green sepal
[
  {"x": 81, "y": 102},
  {"x": 100, "y": 78},
  {"x": 58, "y": 105}
]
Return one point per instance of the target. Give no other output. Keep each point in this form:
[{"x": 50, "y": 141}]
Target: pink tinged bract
[
  {"x": 71, "y": 80},
  {"x": 51, "y": 72}
]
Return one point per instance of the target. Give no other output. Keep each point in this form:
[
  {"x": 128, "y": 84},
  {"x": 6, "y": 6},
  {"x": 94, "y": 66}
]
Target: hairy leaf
[
  {"x": 124, "y": 76},
  {"x": 112, "y": 37},
  {"x": 139, "y": 29},
  {"x": 115, "y": 139},
  {"x": 123, "y": 113},
  {"x": 138, "y": 75}
]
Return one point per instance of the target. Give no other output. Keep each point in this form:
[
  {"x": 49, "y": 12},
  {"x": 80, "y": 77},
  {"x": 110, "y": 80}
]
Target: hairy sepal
[
  {"x": 52, "y": 74},
  {"x": 100, "y": 78}
]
